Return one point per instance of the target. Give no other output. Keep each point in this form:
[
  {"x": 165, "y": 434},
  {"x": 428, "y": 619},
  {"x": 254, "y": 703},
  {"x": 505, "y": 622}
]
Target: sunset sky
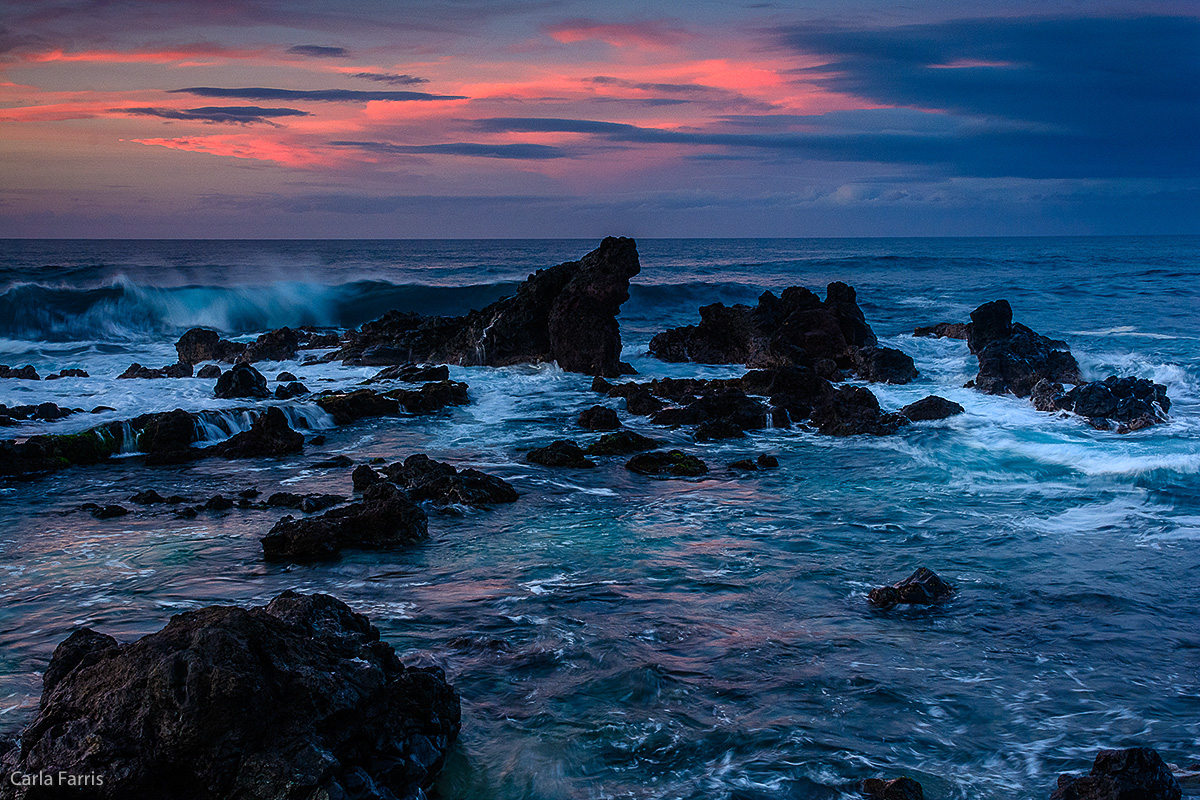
[{"x": 297, "y": 118}]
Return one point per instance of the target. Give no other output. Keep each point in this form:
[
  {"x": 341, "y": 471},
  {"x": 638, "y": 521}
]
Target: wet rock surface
[
  {"x": 1138, "y": 773},
  {"x": 621, "y": 443},
  {"x": 242, "y": 381},
  {"x": 270, "y": 435},
  {"x": 1013, "y": 358},
  {"x": 670, "y": 463},
  {"x": 298, "y": 698},
  {"x": 565, "y": 314},
  {"x": 562, "y": 453},
  {"x": 923, "y": 587},
  {"x": 444, "y": 484},
  {"x": 931, "y": 408},
  {"x": 384, "y": 519},
  {"x": 599, "y": 418},
  {"x": 894, "y": 789}
]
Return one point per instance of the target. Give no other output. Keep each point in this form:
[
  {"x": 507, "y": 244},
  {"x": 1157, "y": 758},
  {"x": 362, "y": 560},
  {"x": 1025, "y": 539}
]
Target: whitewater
[{"x": 613, "y": 636}]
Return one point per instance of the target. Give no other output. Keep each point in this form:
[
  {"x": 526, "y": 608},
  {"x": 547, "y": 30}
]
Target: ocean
[{"x": 615, "y": 636}]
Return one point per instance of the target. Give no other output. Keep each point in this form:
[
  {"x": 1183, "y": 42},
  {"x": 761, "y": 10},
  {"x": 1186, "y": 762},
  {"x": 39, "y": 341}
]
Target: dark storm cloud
[
  {"x": 387, "y": 77},
  {"x": 326, "y": 95},
  {"x": 528, "y": 152},
  {"x": 236, "y": 114},
  {"x": 318, "y": 51},
  {"x": 1049, "y": 97}
]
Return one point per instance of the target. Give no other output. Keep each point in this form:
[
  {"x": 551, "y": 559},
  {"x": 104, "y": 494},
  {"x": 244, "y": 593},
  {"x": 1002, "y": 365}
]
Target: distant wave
[
  {"x": 124, "y": 310},
  {"x": 127, "y": 311}
]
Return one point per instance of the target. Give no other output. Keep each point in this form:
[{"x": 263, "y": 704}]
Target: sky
[{"x": 566, "y": 119}]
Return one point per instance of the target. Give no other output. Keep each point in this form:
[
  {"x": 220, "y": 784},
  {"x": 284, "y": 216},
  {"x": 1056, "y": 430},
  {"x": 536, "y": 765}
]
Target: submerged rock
[
  {"x": 412, "y": 373},
  {"x": 565, "y": 314},
  {"x": 562, "y": 453},
  {"x": 443, "y": 484},
  {"x": 1138, "y": 773},
  {"x": 896, "y": 789},
  {"x": 384, "y": 519},
  {"x": 923, "y": 587},
  {"x": 208, "y": 372},
  {"x": 297, "y": 699},
  {"x": 943, "y": 330},
  {"x": 931, "y": 408},
  {"x": 670, "y": 463},
  {"x": 242, "y": 381}
]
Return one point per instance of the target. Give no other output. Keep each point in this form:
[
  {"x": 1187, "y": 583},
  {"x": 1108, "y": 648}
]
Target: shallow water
[{"x": 616, "y": 636}]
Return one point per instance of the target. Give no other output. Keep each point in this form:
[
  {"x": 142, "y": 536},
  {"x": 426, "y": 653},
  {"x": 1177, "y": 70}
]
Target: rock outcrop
[
  {"x": 201, "y": 344},
  {"x": 671, "y": 463},
  {"x": 795, "y": 329},
  {"x": 562, "y": 453},
  {"x": 135, "y": 370},
  {"x": 443, "y": 484},
  {"x": 565, "y": 314},
  {"x": 621, "y": 443},
  {"x": 298, "y": 698},
  {"x": 1013, "y": 358},
  {"x": 1126, "y": 404},
  {"x": 931, "y": 408},
  {"x": 923, "y": 588},
  {"x": 385, "y": 519},
  {"x": 895, "y": 789},
  {"x": 1138, "y": 773},
  {"x": 242, "y": 381},
  {"x": 270, "y": 435}
]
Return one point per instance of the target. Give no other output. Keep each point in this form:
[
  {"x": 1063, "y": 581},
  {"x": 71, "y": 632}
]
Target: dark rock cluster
[
  {"x": 298, "y": 698},
  {"x": 1013, "y": 358},
  {"x": 384, "y": 519},
  {"x": 1126, "y": 404},
  {"x": 565, "y": 314},
  {"x": 25, "y": 373},
  {"x": 1138, "y": 773},
  {"x": 42, "y": 412},
  {"x": 180, "y": 370},
  {"x": 795, "y": 329}
]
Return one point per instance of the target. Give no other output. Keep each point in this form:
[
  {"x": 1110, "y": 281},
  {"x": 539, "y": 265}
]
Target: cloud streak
[
  {"x": 231, "y": 114},
  {"x": 318, "y": 51},
  {"x": 520, "y": 151},
  {"x": 318, "y": 95}
]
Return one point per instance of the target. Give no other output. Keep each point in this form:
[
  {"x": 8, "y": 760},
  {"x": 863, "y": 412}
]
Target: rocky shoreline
[{"x": 197, "y": 690}]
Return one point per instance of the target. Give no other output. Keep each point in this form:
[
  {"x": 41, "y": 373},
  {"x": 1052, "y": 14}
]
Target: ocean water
[{"x": 614, "y": 636}]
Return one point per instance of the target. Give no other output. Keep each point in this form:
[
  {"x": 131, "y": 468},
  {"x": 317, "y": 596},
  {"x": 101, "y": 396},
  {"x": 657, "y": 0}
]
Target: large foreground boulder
[
  {"x": 1138, "y": 773},
  {"x": 565, "y": 313},
  {"x": 296, "y": 699}
]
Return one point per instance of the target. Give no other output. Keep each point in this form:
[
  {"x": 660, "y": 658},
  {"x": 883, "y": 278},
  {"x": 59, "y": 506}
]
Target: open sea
[{"x": 615, "y": 636}]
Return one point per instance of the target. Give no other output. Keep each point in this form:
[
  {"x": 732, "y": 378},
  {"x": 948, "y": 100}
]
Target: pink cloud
[
  {"x": 159, "y": 56},
  {"x": 654, "y": 35}
]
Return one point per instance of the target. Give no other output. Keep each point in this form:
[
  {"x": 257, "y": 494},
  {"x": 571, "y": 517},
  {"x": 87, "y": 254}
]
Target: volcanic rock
[
  {"x": 443, "y": 484},
  {"x": 565, "y": 313},
  {"x": 1013, "y": 358},
  {"x": 242, "y": 381},
  {"x": 795, "y": 328},
  {"x": 363, "y": 476},
  {"x": 209, "y": 371},
  {"x": 384, "y": 519},
  {"x": 562, "y": 453},
  {"x": 1138, "y": 773},
  {"x": 289, "y": 390},
  {"x": 853, "y": 410},
  {"x": 412, "y": 373},
  {"x": 923, "y": 587},
  {"x": 270, "y": 435},
  {"x": 296, "y": 699},
  {"x": 947, "y": 330},
  {"x": 599, "y": 418},
  {"x": 895, "y": 789},
  {"x": 621, "y": 443},
  {"x": 276, "y": 345},
  {"x": 673, "y": 462},
  {"x": 346, "y": 407},
  {"x": 884, "y": 365},
  {"x": 200, "y": 344},
  {"x": 25, "y": 373},
  {"x": 929, "y": 408},
  {"x": 432, "y": 397}
]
